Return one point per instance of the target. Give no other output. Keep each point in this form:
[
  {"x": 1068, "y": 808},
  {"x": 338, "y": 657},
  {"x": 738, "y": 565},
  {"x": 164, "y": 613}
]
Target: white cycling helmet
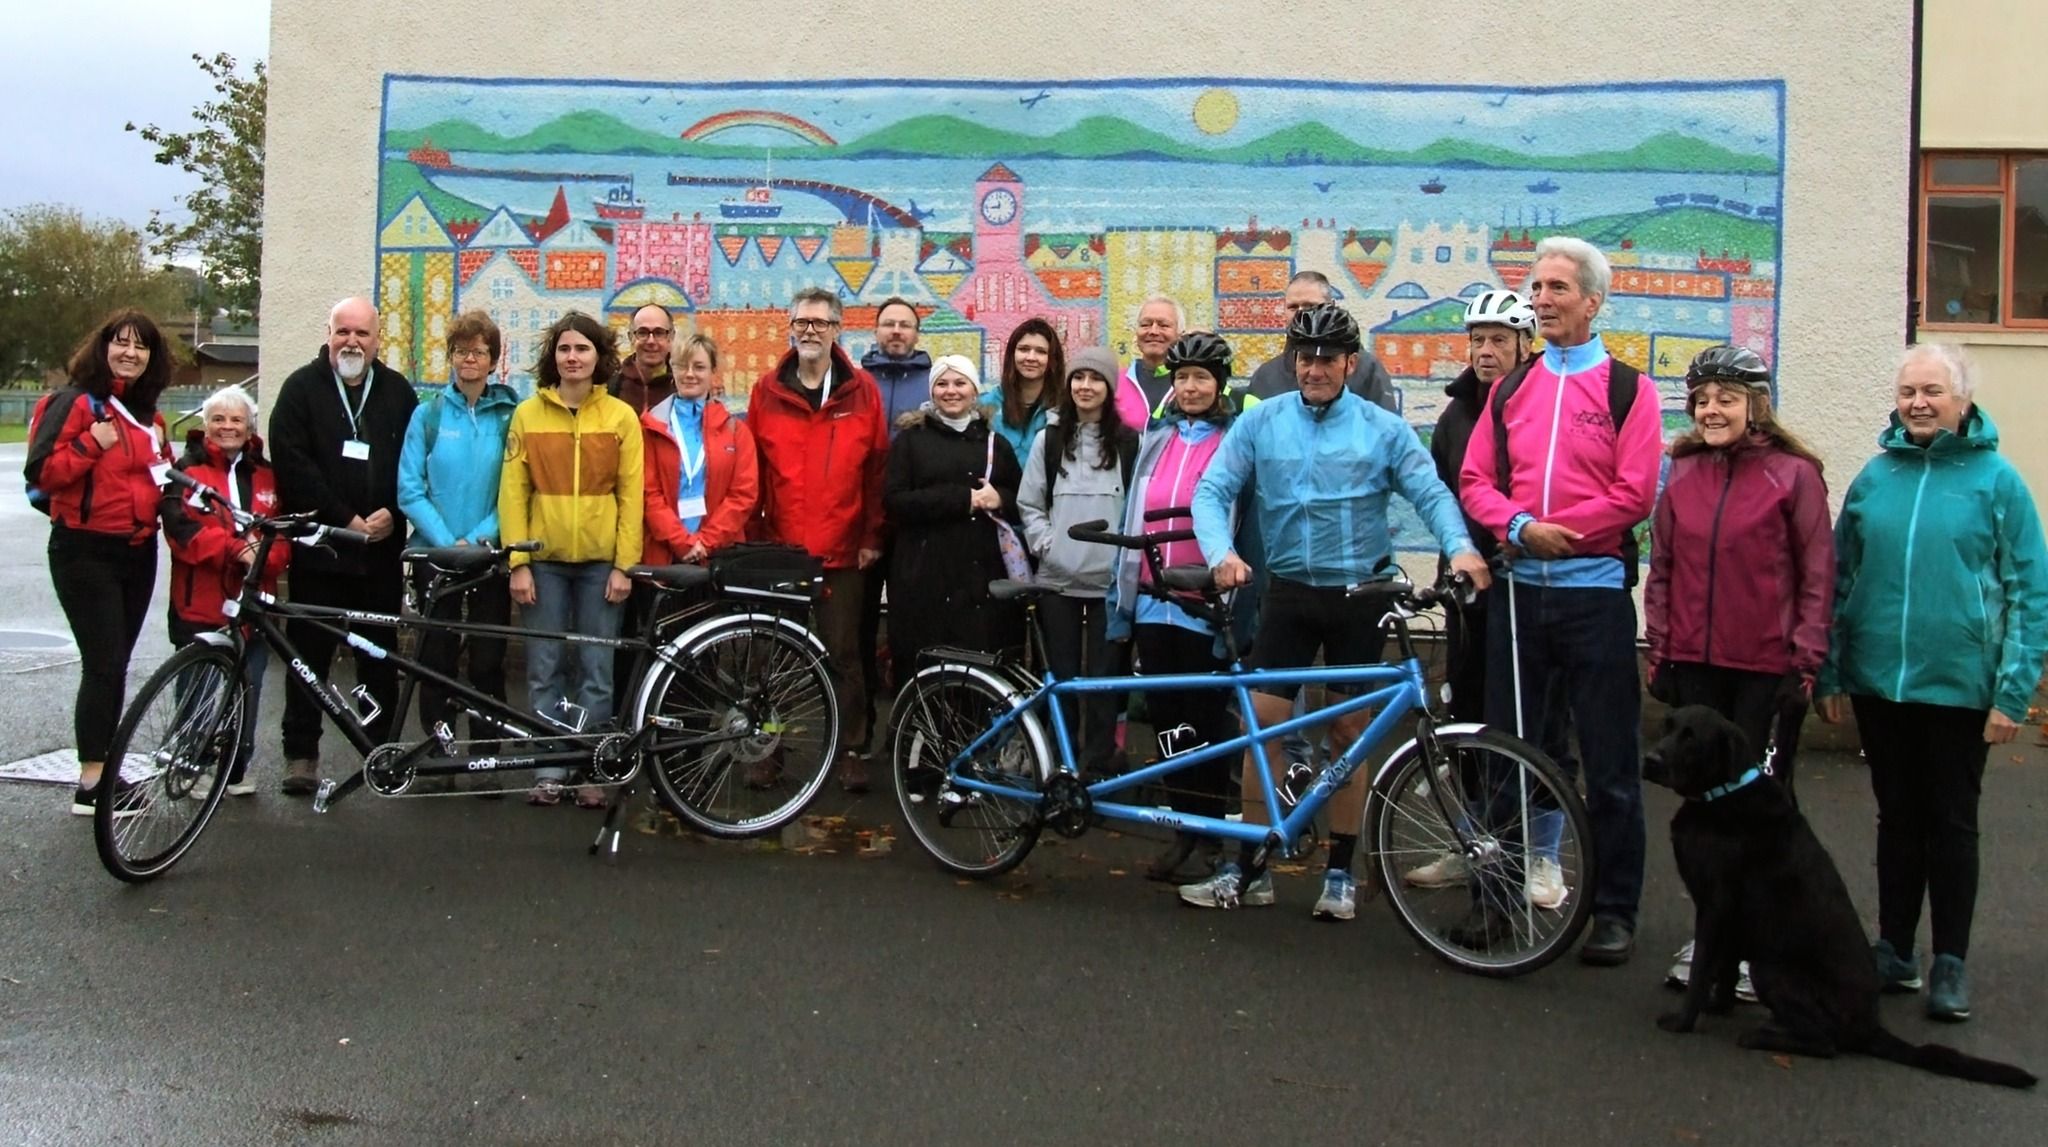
[{"x": 1501, "y": 309}]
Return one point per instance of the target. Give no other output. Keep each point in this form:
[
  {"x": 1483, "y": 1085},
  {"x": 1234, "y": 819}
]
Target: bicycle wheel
[
  {"x": 937, "y": 716},
  {"x": 749, "y": 725},
  {"x": 1507, "y": 888},
  {"x": 167, "y": 766}
]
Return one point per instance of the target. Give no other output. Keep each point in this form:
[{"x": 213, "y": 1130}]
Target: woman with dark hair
[
  {"x": 1033, "y": 367},
  {"x": 1078, "y": 471},
  {"x": 572, "y": 481},
  {"x": 97, "y": 459},
  {"x": 1742, "y": 567}
]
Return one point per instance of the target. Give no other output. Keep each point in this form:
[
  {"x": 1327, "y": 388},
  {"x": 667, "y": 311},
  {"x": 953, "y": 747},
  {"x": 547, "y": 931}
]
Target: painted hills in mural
[{"x": 1096, "y": 137}]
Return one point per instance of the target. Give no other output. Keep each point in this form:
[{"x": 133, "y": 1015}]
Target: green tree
[
  {"x": 222, "y": 220},
  {"x": 60, "y": 274}
]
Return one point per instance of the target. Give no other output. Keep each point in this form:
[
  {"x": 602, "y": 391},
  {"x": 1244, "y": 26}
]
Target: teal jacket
[
  {"x": 1941, "y": 583},
  {"x": 1020, "y": 439},
  {"x": 450, "y": 492}
]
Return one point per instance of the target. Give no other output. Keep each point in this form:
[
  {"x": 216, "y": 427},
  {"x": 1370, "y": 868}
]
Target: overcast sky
[{"x": 72, "y": 72}]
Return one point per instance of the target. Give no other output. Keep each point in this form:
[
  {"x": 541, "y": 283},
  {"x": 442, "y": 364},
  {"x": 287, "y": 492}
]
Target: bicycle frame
[{"x": 1400, "y": 692}]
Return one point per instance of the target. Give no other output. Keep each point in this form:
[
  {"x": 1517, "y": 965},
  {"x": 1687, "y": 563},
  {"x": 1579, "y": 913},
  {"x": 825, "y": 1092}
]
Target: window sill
[{"x": 1985, "y": 336}]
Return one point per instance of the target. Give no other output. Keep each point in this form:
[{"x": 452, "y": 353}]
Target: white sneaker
[
  {"x": 1544, "y": 884},
  {"x": 1339, "y": 900},
  {"x": 1227, "y": 889},
  {"x": 1443, "y": 872},
  {"x": 242, "y": 788},
  {"x": 1681, "y": 969}
]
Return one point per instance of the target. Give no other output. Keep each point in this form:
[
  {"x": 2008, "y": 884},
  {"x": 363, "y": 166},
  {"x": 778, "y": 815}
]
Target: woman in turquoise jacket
[
  {"x": 448, "y": 489},
  {"x": 1941, "y": 622}
]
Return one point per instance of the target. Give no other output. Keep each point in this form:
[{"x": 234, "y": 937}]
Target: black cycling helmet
[
  {"x": 1727, "y": 364},
  {"x": 1324, "y": 331},
  {"x": 1205, "y": 349}
]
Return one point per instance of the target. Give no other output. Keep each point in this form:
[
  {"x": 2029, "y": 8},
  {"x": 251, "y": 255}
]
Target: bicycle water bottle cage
[
  {"x": 573, "y": 716},
  {"x": 363, "y": 702}
]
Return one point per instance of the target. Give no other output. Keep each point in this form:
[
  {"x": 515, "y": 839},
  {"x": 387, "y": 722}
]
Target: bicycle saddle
[
  {"x": 1188, "y": 578},
  {"x": 452, "y": 559},
  {"x": 1009, "y": 589},
  {"x": 672, "y": 577}
]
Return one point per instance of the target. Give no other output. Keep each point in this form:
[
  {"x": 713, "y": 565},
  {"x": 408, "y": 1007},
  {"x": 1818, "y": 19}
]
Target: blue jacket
[
  {"x": 1322, "y": 483},
  {"x": 905, "y": 383},
  {"x": 451, "y": 493},
  {"x": 1020, "y": 439},
  {"x": 1941, "y": 577}
]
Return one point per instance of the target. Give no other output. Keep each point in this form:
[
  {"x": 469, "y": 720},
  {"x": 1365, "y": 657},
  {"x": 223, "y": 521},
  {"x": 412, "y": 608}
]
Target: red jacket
[
  {"x": 106, "y": 490},
  {"x": 205, "y": 568},
  {"x": 732, "y": 483},
  {"x": 1742, "y": 562},
  {"x": 821, "y": 470}
]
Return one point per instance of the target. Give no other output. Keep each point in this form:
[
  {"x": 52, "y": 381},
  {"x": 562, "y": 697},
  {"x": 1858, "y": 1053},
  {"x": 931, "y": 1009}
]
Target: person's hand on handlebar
[
  {"x": 1472, "y": 566},
  {"x": 1231, "y": 572}
]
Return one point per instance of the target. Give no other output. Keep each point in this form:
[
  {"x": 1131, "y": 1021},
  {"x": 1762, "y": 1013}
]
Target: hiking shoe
[
  {"x": 1948, "y": 993},
  {"x": 1900, "y": 974},
  {"x": 853, "y": 773},
  {"x": 1227, "y": 889},
  {"x": 301, "y": 777},
  {"x": 1446, "y": 871},
  {"x": 1544, "y": 884},
  {"x": 765, "y": 773},
  {"x": 1339, "y": 900}
]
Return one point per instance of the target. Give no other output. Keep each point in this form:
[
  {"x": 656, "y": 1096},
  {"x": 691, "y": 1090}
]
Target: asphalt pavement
[{"x": 451, "y": 970}]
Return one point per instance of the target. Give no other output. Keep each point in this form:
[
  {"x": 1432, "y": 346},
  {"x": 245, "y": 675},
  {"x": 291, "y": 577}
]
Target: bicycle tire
[
  {"x": 747, "y": 673},
  {"x": 1510, "y": 791},
  {"x": 143, "y": 828},
  {"x": 936, "y": 716}
]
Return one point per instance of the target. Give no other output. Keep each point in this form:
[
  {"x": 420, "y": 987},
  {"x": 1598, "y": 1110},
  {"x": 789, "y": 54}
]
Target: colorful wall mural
[{"x": 986, "y": 203}]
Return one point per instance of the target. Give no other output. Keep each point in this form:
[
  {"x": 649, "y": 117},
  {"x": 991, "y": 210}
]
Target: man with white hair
[
  {"x": 335, "y": 436},
  {"x": 1562, "y": 468},
  {"x": 1142, "y": 391}
]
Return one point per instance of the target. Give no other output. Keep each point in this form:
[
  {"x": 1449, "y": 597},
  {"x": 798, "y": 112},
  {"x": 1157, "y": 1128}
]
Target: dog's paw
[{"x": 1678, "y": 1023}]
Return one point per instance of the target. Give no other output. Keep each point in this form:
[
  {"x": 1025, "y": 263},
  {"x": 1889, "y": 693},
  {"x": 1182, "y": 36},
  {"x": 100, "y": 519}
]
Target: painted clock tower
[{"x": 998, "y": 217}]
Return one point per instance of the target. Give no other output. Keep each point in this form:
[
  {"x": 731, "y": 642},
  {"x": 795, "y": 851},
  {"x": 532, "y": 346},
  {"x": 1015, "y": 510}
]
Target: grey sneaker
[
  {"x": 1948, "y": 992},
  {"x": 1339, "y": 900},
  {"x": 1899, "y": 973},
  {"x": 1227, "y": 889},
  {"x": 301, "y": 777}
]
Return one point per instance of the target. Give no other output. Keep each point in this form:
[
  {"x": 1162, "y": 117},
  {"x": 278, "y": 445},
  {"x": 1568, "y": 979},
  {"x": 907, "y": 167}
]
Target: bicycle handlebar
[
  {"x": 1098, "y": 531},
  {"x": 297, "y": 527}
]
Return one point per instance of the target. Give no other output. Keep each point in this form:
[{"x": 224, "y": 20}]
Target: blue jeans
[
  {"x": 569, "y": 598},
  {"x": 1588, "y": 636}
]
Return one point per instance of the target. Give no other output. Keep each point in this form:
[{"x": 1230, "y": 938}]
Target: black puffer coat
[{"x": 945, "y": 554}]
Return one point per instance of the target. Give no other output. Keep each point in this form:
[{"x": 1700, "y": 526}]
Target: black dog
[{"x": 1766, "y": 891}]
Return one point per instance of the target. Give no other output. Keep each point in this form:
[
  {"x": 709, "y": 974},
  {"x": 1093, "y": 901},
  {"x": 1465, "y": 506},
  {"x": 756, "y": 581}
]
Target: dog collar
[{"x": 1718, "y": 791}]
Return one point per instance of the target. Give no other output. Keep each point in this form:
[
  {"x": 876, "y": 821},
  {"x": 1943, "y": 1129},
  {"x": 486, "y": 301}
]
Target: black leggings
[
  {"x": 1204, "y": 789},
  {"x": 1927, "y": 772},
  {"x": 104, "y": 584},
  {"x": 1077, "y": 645}
]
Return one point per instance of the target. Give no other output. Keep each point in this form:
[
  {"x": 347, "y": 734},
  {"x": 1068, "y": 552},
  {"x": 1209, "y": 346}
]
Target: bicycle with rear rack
[
  {"x": 732, "y": 708},
  {"x": 983, "y": 762}
]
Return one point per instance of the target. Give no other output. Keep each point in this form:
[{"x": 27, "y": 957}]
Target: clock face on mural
[{"x": 999, "y": 206}]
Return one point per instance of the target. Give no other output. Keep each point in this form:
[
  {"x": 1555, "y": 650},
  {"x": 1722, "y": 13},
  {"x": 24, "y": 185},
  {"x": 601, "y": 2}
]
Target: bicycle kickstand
[{"x": 615, "y": 809}]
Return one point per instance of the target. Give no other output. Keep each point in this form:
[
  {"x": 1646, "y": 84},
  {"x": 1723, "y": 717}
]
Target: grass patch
[{"x": 12, "y": 434}]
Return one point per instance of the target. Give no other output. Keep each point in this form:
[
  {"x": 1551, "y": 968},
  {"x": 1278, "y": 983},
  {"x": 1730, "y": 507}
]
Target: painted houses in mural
[{"x": 985, "y": 204}]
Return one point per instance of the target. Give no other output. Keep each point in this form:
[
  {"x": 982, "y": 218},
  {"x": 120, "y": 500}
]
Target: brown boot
[
  {"x": 853, "y": 772},
  {"x": 301, "y": 778}
]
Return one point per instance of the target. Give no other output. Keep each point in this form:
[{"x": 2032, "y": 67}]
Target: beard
[{"x": 350, "y": 364}]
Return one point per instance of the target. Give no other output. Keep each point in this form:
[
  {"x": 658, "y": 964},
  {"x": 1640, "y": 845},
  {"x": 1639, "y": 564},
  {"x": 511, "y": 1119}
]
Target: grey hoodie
[{"x": 1084, "y": 494}]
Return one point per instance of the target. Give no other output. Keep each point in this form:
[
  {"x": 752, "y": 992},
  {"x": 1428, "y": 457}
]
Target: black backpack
[{"x": 1622, "y": 381}]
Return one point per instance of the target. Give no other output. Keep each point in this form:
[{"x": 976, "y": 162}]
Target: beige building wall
[
  {"x": 1845, "y": 74},
  {"x": 1984, "y": 85}
]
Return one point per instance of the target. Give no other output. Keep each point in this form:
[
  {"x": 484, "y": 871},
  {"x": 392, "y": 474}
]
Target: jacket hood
[
  {"x": 910, "y": 418},
  {"x": 1978, "y": 433},
  {"x": 200, "y": 452},
  {"x": 495, "y": 394},
  {"x": 842, "y": 370},
  {"x": 915, "y": 360}
]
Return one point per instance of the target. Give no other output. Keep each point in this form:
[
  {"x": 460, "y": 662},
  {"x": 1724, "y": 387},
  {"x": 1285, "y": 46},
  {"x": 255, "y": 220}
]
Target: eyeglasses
[
  {"x": 650, "y": 334},
  {"x": 806, "y": 325},
  {"x": 470, "y": 352}
]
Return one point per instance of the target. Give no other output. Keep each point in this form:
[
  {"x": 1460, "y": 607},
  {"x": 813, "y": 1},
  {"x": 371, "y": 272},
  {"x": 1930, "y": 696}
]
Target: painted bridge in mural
[{"x": 856, "y": 205}]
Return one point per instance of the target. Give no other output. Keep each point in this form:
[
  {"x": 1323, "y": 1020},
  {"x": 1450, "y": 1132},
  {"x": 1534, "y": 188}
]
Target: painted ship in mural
[
  {"x": 758, "y": 201},
  {"x": 430, "y": 157},
  {"x": 619, "y": 202},
  {"x": 1543, "y": 187},
  {"x": 1435, "y": 185}
]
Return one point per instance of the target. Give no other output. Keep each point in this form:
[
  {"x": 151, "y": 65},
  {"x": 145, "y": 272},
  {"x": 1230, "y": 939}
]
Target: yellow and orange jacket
[{"x": 572, "y": 480}]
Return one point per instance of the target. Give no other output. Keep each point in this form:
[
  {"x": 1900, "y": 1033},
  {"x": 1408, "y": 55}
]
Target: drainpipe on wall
[{"x": 1913, "y": 183}]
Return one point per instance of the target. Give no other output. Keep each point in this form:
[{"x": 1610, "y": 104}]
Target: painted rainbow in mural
[{"x": 712, "y": 125}]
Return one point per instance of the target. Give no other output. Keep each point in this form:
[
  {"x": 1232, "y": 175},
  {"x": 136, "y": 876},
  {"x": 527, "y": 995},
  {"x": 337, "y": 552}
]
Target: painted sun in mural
[{"x": 1216, "y": 111}]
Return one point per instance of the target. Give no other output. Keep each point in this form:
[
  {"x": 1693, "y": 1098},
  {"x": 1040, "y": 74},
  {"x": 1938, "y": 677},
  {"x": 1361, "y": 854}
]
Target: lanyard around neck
[
  {"x": 352, "y": 412},
  {"x": 691, "y": 467}
]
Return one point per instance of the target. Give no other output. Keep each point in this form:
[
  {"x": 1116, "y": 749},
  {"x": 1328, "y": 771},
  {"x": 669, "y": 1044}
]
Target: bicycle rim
[
  {"x": 168, "y": 763},
  {"x": 937, "y": 716},
  {"x": 753, "y": 726},
  {"x": 1519, "y": 891}
]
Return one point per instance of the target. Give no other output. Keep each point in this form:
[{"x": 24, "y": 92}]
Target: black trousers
[
  {"x": 1076, "y": 631},
  {"x": 103, "y": 584},
  {"x": 1747, "y": 698},
  {"x": 379, "y": 590},
  {"x": 1204, "y": 789},
  {"x": 870, "y": 637},
  {"x": 1927, "y": 772},
  {"x": 487, "y": 604}
]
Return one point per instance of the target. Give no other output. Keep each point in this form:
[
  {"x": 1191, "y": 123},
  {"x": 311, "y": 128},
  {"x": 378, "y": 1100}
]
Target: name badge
[
  {"x": 356, "y": 449},
  {"x": 690, "y": 507}
]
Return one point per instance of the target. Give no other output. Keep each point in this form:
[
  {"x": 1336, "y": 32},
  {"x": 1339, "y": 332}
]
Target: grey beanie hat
[{"x": 1095, "y": 358}]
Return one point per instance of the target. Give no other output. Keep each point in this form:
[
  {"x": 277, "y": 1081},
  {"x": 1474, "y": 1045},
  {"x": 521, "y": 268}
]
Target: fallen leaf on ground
[
  {"x": 1688, "y": 1136},
  {"x": 343, "y": 1041},
  {"x": 1784, "y": 1061},
  {"x": 1118, "y": 872}
]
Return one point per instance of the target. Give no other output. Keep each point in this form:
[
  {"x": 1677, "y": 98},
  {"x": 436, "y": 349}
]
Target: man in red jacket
[{"x": 823, "y": 438}]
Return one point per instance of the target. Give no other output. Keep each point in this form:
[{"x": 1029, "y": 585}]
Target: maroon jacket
[
  {"x": 821, "y": 468},
  {"x": 1742, "y": 562}
]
